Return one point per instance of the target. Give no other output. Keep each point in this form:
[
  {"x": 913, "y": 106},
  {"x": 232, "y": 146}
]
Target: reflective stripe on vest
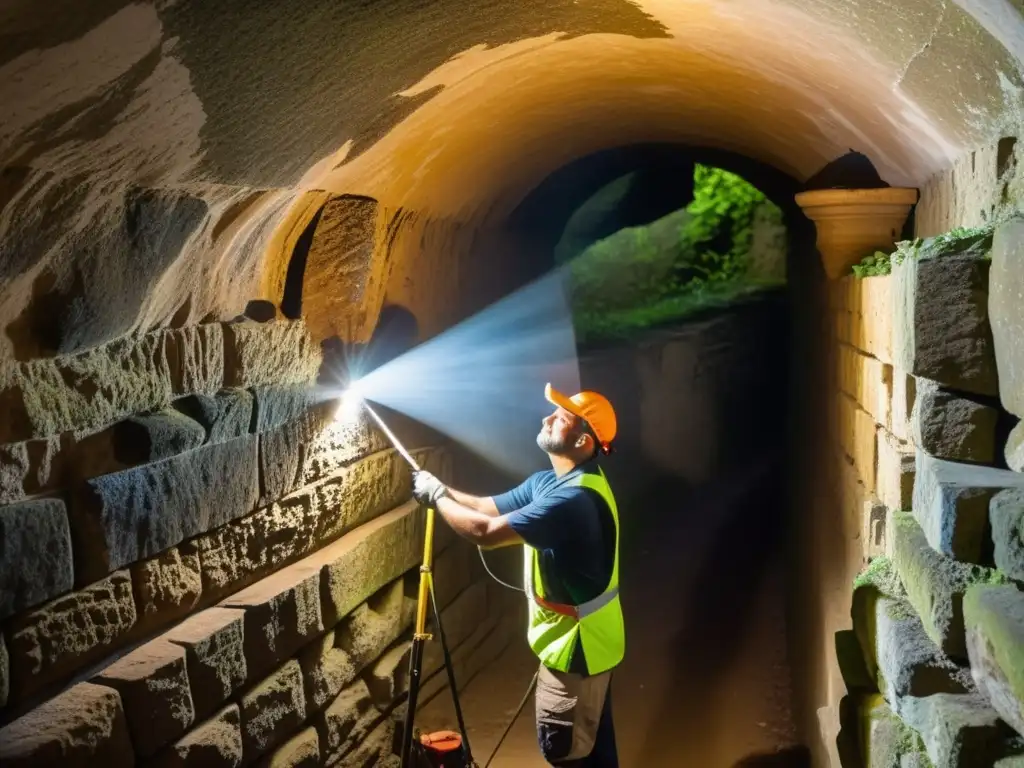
[{"x": 554, "y": 627}]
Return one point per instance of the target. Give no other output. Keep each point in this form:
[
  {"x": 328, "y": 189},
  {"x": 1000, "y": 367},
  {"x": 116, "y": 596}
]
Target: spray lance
[{"x": 444, "y": 749}]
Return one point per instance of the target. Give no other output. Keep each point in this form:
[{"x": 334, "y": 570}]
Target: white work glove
[{"x": 426, "y": 488}]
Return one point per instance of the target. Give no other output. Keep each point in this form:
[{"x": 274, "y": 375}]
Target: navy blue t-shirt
[{"x": 572, "y": 530}]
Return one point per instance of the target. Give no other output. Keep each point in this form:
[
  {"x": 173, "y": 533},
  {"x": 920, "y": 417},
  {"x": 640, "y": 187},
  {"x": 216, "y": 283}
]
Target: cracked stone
[
  {"x": 215, "y": 655},
  {"x": 153, "y": 684},
  {"x": 69, "y": 633}
]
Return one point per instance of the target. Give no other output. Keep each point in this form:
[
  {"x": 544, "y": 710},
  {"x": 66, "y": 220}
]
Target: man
[{"x": 567, "y": 520}]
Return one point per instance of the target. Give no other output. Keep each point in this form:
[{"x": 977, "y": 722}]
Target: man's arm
[
  {"x": 484, "y": 530},
  {"x": 482, "y": 504}
]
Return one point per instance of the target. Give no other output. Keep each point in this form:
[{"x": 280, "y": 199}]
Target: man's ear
[{"x": 581, "y": 441}]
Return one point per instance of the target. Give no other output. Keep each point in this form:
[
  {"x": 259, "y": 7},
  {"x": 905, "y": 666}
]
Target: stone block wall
[
  {"x": 202, "y": 564},
  {"x": 925, "y": 387}
]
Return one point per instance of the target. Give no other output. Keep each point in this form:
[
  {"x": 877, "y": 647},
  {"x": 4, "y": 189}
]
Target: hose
[
  {"x": 491, "y": 573},
  {"x": 519, "y": 711}
]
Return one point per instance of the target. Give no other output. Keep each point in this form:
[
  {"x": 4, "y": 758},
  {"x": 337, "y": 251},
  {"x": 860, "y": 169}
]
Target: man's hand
[{"x": 426, "y": 488}]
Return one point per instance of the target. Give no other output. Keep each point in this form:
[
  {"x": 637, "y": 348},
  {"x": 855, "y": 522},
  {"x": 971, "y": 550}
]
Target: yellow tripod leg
[
  {"x": 419, "y": 638},
  {"x": 426, "y": 576}
]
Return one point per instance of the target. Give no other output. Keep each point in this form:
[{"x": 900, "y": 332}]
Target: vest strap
[{"x": 579, "y": 611}]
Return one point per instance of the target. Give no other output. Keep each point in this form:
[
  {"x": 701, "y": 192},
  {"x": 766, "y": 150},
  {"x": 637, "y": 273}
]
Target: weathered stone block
[
  {"x": 215, "y": 655},
  {"x": 326, "y": 669},
  {"x": 225, "y": 416},
  {"x": 851, "y": 663},
  {"x": 388, "y": 677},
  {"x": 139, "y": 439},
  {"x": 35, "y": 554},
  {"x": 378, "y": 746},
  {"x": 959, "y": 731},
  {"x": 897, "y": 465},
  {"x": 908, "y": 661},
  {"x": 272, "y": 710},
  {"x": 872, "y": 534},
  {"x": 338, "y": 442},
  {"x": 30, "y": 467},
  {"x": 1013, "y": 451},
  {"x": 69, "y": 632},
  {"x": 867, "y": 380},
  {"x": 857, "y": 432},
  {"x": 360, "y": 492},
  {"x": 871, "y": 304},
  {"x": 156, "y": 436},
  {"x": 301, "y": 751},
  {"x": 153, "y": 684},
  {"x": 216, "y": 743},
  {"x": 84, "y": 391},
  {"x": 138, "y": 513},
  {"x": 363, "y": 561},
  {"x": 1006, "y": 286},
  {"x": 347, "y": 721},
  {"x": 195, "y": 356},
  {"x": 951, "y": 503},
  {"x": 935, "y": 584},
  {"x": 374, "y": 625},
  {"x": 282, "y": 613},
  {"x": 1006, "y": 516},
  {"x": 904, "y": 396},
  {"x": 312, "y": 448},
  {"x": 950, "y": 426},
  {"x": 278, "y": 405},
  {"x": 168, "y": 586},
  {"x": 887, "y": 738},
  {"x": 941, "y": 313},
  {"x": 275, "y": 353},
  {"x": 82, "y": 727},
  {"x": 994, "y": 617},
  {"x": 246, "y": 549},
  {"x": 281, "y": 452}
]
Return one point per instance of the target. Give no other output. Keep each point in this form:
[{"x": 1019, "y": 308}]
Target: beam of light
[{"x": 481, "y": 383}]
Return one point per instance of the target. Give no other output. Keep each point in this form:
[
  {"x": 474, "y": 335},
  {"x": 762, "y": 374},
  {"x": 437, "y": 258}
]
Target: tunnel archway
[{"x": 166, "y": 165}]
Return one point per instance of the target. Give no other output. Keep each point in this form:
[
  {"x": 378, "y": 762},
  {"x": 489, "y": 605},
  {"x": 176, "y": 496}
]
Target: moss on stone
[
  {"x": 959, "y": 240},
  {"x": 886, "y": 738},
  {"x": 882, "y": 575},
  {"x": 935, "y": 584},
  {"x": 997, "y": 611}
]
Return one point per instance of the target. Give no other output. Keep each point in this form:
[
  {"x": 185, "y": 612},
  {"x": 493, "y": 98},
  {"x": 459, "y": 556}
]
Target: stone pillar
[{"x": 853, "y": 223}]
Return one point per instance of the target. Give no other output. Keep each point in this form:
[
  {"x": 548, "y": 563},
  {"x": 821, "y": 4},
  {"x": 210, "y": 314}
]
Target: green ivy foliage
[
  {"x": 880, "y": 263},
  {"x": 687, "y": 262}
]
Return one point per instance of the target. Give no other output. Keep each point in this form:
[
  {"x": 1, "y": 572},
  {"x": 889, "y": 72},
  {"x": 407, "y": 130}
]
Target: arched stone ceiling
[{"x": 153, "y": 152}]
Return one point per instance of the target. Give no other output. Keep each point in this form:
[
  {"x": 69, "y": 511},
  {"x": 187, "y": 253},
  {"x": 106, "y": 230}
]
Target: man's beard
[{"x": 550, "y": 444}]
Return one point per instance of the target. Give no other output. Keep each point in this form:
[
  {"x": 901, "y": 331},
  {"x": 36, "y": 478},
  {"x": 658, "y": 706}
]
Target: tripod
[{"x": 461, "y": 753}]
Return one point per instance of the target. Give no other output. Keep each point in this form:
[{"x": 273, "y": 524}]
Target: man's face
[{"x": 558, "y": 432}]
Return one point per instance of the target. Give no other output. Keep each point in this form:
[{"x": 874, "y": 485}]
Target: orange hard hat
[{"x": 592, "y": 408}]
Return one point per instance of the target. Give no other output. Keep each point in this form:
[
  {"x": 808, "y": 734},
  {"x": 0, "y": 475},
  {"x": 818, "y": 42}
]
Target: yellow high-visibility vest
[{"x": 554, "y": 628}]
